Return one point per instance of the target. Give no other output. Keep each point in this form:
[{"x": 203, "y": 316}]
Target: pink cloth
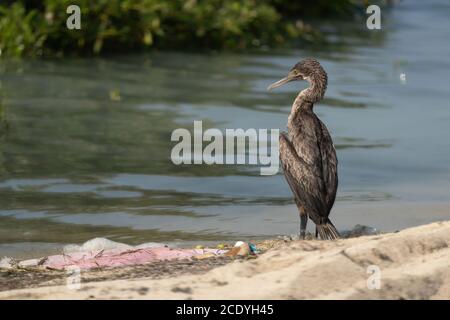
[{"x": 121, "y": 257}]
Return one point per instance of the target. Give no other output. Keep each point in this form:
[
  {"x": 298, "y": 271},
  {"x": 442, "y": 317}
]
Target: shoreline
[{"x": 414, "y": 264}]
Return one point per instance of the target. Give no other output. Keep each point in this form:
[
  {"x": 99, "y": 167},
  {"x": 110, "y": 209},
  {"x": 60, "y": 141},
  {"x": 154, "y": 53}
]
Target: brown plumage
[{"x": 307, "y": 154}]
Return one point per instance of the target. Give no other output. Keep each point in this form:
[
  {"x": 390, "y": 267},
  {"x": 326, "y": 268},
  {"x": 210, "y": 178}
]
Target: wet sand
[{"x": 413, "y": 263}]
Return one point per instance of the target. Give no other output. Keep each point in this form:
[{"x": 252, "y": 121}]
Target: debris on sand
[
  {"x": 295, "y": 270},
  {"x": 104, "y": 253}
]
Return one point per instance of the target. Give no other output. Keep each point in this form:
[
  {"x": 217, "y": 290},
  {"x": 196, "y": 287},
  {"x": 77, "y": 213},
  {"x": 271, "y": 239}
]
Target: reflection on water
[{"x": 87, "y": 151}]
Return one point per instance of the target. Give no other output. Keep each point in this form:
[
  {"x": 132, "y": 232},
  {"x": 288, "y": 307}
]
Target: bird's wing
[
  {"x": 329, "y": 166},
  {"x": 305, "y": 185}
]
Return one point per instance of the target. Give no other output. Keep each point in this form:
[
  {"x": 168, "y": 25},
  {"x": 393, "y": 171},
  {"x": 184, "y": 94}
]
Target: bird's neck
[{"x": 314, "y": 93}]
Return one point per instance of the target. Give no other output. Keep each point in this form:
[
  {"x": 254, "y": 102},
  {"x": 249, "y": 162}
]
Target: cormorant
[{"x": 307, "y": 153}]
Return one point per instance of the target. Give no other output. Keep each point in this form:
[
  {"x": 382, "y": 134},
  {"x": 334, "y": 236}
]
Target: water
[{"x": 88, "y": 150}]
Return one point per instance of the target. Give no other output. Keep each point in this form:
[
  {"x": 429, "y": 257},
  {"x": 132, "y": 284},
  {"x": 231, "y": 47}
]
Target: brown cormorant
[{"x": 307, "y": 153}]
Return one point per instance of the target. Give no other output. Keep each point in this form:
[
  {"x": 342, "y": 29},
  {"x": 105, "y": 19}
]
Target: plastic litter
[
  {"x": 239, "y": 243},
  {"x": 221, "y": 246},
  {"x": 7, "y": 263},
  {"x": 204, "y": 256},
  {"x": 95, "y": 244},
  {"x": 120, "y": 257},
  {"x": 253, "y": 248},
  {"x": 104, "y": 253},
  {"x": 241, "y": 248}
]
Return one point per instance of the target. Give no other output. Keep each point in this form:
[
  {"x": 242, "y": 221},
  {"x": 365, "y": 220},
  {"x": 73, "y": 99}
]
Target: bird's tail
[{"x": 327, "y": 231}]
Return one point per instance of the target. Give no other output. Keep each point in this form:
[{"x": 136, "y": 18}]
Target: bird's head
[{"x": 308, "y": 69}]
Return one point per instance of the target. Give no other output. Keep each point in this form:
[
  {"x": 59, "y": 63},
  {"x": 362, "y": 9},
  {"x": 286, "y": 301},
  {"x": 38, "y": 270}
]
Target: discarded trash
[
  {"x": 151, "y": 245},
  {"x": 253, "y": 248},
  {"x": 239, "y": 243},
  {"x": 240, "y": 249},
  {"x": 120, "y": 257},
  {"x": 245, "y": 250},
  {"x": 106, "y": 244},
  {"x": 233, "y": 252},
  {"x": 31, "y": 263},
  {"x": 95, "y": 244},
  {"x": 7, "y": 263},
  {"x": 205, "y": 256},
  {"x": 104, "y": 253}
]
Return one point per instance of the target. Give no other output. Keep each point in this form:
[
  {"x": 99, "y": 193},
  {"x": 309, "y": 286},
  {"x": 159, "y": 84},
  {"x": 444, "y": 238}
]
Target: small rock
[
  {"x": 360, "y": 230},
  {"x": 219, "y": 283},
  {"x": 186, "y": 290}
]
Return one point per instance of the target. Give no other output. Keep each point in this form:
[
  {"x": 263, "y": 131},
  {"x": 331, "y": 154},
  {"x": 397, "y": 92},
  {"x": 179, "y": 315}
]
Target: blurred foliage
[
  {"x": 317, "y": 8},
  {"x": 38, "y": 27}
]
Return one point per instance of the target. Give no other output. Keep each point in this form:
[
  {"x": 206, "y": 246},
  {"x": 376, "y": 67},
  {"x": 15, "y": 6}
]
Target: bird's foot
[{"x": 302, "y": 234}]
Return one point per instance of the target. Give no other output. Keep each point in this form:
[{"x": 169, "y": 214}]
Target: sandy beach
[{"x": 413, "y": 264}]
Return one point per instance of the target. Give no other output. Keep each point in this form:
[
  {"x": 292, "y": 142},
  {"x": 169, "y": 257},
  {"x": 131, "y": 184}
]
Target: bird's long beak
[{"x": 290, "y": 77}]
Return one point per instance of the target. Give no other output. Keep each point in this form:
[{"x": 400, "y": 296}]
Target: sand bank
[{"x": 413, "y": 264}]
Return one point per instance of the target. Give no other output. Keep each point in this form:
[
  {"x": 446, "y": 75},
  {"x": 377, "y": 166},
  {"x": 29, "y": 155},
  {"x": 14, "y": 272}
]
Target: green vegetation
[{"x": 38, "y": 27}]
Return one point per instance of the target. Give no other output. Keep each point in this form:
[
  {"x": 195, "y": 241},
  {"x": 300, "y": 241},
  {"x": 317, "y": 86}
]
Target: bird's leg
[
  {"x": 303, "y": 222},
  {"x": 317, "y": 233}
]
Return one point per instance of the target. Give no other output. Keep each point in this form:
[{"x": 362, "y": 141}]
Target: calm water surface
[{"x": 87, "y": 153}]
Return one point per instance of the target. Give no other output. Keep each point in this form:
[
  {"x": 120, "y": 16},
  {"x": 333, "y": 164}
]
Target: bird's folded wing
[
  {"x": 329, "y": 166},
  {"x": 305, "y": 185}
]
